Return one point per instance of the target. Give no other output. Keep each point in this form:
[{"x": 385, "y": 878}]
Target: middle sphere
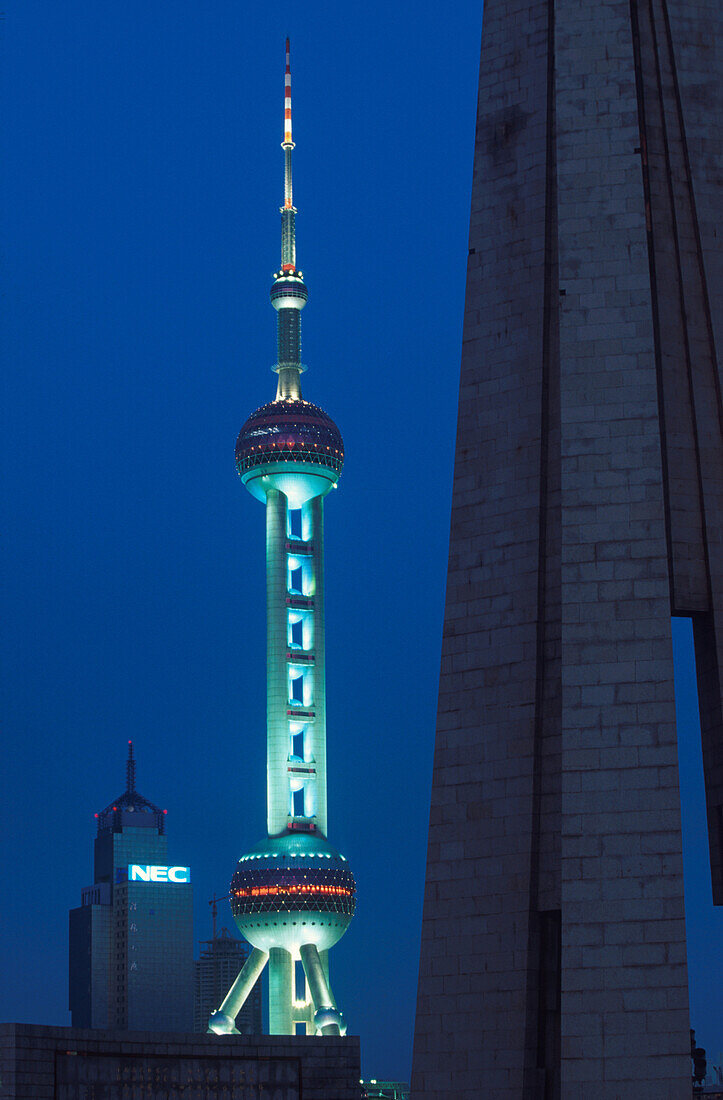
[{"x": 288, "y": 291}]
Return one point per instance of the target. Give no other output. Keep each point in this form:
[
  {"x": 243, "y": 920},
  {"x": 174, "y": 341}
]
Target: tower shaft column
[
  {"x": 316, "y": 510},
  {"x": 277, "y": 676},
  {"x": 280, "y": 992}
]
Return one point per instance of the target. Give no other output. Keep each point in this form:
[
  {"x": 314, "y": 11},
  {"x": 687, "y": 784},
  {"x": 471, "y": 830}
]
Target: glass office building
[{"x": 131, "y": 938}]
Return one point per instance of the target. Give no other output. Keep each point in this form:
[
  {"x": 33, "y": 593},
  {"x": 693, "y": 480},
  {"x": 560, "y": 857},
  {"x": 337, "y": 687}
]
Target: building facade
[
  {"x": 587, "y": 509},
  {"x": 216, "y": 970},
  {"x": 63, "y": 1063},
  {"x": 131, "y": 939}
]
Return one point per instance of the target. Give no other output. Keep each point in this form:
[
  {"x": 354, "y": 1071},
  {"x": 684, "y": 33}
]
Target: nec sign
[{"x": 139, "y": 872}]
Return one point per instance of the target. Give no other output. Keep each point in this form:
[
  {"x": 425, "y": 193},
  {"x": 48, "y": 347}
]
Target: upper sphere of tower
[
  {"x": 289, "y": 430},
  {"x": 291, "y": 445},
  {"x": 288, "y": 290}
]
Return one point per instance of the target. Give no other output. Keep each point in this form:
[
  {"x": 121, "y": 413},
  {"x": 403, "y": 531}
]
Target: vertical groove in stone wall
[
  {"x": 689, "y": 387},
  {"x": 661, "y": 142},
  {"x": 542, "y": 1070},
  {"x": 694, "y": 36}
]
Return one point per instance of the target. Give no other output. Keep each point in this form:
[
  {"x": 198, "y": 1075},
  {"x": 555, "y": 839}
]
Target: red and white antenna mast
[{"x": 288, "y": 210}]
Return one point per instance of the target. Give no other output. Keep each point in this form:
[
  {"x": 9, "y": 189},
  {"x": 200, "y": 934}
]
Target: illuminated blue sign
[{"x": 140, "y": 872}]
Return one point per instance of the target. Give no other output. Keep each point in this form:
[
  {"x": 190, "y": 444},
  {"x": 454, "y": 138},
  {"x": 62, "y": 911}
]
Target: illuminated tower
[{"x": 293, "y": 895}]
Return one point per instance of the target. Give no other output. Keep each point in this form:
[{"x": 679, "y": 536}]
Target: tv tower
[{"x": 293, "y": 895}]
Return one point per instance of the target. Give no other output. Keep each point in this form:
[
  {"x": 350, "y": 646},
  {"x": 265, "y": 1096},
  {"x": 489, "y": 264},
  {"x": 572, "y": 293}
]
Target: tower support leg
[
  {"x": 223, "y": 1020},
  {"x": 280, "y": 992},
  {"x": 327, "y": 1018},
  {"x": 324, "y": 956}
]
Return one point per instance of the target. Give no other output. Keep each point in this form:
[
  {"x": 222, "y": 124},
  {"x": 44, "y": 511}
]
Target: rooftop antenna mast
[
  {"x": 130, "y": 770},
  {"x": 288, "y": 292},
  {"x": 288, "y": 210}
]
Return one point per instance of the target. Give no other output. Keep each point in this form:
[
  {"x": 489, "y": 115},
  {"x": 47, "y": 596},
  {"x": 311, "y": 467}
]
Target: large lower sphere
[{"x": 291, "y": 890}]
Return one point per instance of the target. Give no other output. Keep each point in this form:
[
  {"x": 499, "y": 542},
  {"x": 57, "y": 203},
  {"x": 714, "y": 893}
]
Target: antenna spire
[
  {"x": 288, "y": 210},
  {"x": 288, "y": 292},
  {"x": 287, "y": 97},
  {"x": 130, "y": 770}
]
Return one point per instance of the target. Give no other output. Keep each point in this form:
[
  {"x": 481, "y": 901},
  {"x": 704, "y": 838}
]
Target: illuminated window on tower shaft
[
  {"x": 296, "y": 630},
  {"x": 297, "y": 687},
  {"x": 297, "y": 744},
  {"x": 300, "y": 574},
  {"x": 298, "y": 803},
  {"x": 294, "y": 515}
]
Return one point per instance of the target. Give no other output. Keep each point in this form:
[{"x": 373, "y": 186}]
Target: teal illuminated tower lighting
[{"x": 293, "y": 895}]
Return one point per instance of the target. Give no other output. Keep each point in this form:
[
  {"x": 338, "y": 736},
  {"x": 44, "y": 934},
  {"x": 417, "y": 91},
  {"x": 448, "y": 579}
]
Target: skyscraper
[
  {"x": 131, "y": 939},
  {"x": 218, "y": 966},
  {"x": 587, "y": 509},
  {"x": 293, "y": 895}
]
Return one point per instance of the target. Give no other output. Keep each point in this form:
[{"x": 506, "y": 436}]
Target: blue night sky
[{"x": 142, "y": 185}]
